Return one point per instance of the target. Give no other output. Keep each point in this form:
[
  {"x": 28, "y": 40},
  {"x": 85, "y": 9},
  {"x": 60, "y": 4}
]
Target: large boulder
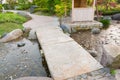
[
  {"x": 12, "y": 35},
  {"x": 116, "y": 63},
  {"x": 110, "y": 55},
  {"x": 116, "y": 16},
  {"x": 117, "y": 75},
  {"x": 34, "y": 78}
]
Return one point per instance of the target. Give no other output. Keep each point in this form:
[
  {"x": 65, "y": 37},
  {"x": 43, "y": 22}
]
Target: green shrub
[
  {"x": 113, "y": 72},
  {"x": 41, "y": 9},
  {"x": 105, "y": 23},
  {"x": 110, "y": 12},
  {"x": 0, "y": 7},
  {"x": 23, "y": 6},
  {"x": 11, "y": 17}
]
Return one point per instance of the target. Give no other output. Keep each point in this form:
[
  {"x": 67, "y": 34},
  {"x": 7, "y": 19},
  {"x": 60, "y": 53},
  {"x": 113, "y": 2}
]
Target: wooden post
[{"x": 83, "y": 3}]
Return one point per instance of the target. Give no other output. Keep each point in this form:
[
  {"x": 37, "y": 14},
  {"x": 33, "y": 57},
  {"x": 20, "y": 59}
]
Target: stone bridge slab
[{"x": 65, "y": 57}]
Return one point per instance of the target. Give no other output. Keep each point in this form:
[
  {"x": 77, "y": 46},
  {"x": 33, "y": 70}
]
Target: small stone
[
  {"x": 93, "y": 53},
  {"x": 84, "y": 76},
  {"x": 64, "y": 28},
  {"x": 26, "y": 29},
  {"x": 25, "y": 66},
  {"x": 95, "y": 31},
  {"x": 21, "y": 44},
  {"x": 107, "y": 18},
  {"x": 32, "y": 35}
]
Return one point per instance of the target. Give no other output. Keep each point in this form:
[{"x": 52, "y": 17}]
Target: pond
[{"x": 16, "y": 61}]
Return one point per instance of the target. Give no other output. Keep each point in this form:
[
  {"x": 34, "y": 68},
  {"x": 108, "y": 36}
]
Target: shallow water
[{"x": 18, "y": 62}]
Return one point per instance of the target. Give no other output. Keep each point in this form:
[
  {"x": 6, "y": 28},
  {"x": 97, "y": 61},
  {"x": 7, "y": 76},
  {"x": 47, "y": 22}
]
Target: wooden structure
[{"x": 80, "y": 11}]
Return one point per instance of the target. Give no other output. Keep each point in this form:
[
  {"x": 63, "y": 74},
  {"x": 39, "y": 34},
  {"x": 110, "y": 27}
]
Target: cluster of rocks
[
  {"x": 102, "y": 74},
  {"x": 104, "y": 47},
  {"x": 111, "y": 44},
  {"x": 17, "y": 33}
]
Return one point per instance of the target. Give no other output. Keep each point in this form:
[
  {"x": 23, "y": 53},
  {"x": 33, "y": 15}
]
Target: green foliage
[
  {"x": 59, "y": 9},
  {"x": 110, "y": 12},
  {"x": 42, "y": 9},
  {"x": 41, "y": 3},
  {"x": 51, "y": 5},
  {"x": 105, "y": 23},
  {"x": 10, "y": 21},
  {"x": 0, "y": 7},
  {"x": 11, "y": 4},
  {"x": 63, "y": 7},
  {"x": 23, "y": 6},
  {"x": 11, "y": 17},
  {"x": 113, "y": 72}
]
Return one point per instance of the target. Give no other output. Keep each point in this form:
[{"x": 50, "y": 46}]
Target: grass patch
[
  {"x": 10, "y": 21},
  {"x": 8, "y": 26},
  {"x": 12, "y": 17}
]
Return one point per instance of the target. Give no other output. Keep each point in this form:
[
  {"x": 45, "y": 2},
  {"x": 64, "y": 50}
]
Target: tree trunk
[
  {"x": 97, "y": 12},
  {"x": 65, "y": 10}
]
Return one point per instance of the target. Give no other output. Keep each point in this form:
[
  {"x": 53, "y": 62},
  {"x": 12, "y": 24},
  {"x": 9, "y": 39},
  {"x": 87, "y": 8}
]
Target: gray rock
[
  {"x": 93, "y": 53},
  {"x": 64, "y": 28},
  {"x": 21, "y": 44},
  {"x": 111, "y": 55},
  {"x": 32, "y": 35},
  {"x": 95, "y": 31},
  {"x": 12, "y": 35},
  {"x": 116, "y": 16},
  {"x": 26, "y": 29},
  {"x": 107, "y": 18},
  {"x": 24, "y": 14}
]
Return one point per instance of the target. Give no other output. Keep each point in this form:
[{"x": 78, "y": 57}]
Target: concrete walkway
[{"x": 65, "y": 57}]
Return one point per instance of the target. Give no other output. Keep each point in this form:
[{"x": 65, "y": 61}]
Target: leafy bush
[
  {"x": 41, "y": 9},
  {"x": 11, "y": 17},
  {"x": 0, "y": 7},
  {"x": 23, "y": 6},
  {"x": 105, "y": 23},
  {"x": 113, "y": 72},
  {"x": 110, "y": 12}
]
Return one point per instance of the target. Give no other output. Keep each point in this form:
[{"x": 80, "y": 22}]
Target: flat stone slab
[
  {"x": 51, "y": 36},
  {"x": 65, "y": 57},
  {"x": 83, "y": 25},
  {"x": 69, "y": 59}
]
